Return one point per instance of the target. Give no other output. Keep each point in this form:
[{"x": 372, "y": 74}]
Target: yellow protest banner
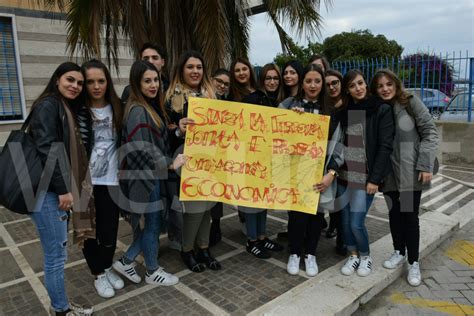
[{"x": 253, "y": 156}]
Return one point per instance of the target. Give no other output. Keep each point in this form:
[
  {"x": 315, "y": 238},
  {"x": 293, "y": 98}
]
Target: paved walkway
[
  {"x": 447, "y": 287},
  {"x": 243, "y": 285}
]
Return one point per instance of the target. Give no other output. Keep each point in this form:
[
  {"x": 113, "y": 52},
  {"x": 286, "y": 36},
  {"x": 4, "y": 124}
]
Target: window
[{"x": 11, "y": 98}]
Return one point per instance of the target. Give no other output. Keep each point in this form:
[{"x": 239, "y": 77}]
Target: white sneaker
[
  {"x": 351, "y": 265},
  {"x": 394, "y": 261},
  {"x": 103, "y": 287},
  {"x": 414, "y": 274},
  {"x": 365, "y": 266},
  {"x": 127, "y": 270},
  {"x": 114, "y": 279},
  {"x": 293, "y": 266},
  {"x": 311, "y": 265},
  {"x": 161, "y": 277}
]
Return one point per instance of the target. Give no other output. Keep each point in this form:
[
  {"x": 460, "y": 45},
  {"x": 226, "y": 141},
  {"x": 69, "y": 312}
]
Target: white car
[{"x": 457, "y": 109}]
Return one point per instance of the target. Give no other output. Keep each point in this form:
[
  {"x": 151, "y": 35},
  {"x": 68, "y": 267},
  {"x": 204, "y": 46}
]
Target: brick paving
[
  {"x": 448, "y": 284},
  {"x": 244, "y": 284}
]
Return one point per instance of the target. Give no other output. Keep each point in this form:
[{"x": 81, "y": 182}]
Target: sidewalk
[
  {"x": 447, "y": 287},
  {"x": 244, "y": 285}
]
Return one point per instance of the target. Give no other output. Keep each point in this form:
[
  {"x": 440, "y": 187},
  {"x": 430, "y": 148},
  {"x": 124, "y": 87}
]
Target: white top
[{"x": 104, "y": 160}]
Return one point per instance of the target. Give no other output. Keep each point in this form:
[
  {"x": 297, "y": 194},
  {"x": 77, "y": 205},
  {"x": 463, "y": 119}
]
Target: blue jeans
[
  {"x": 354, "y": 205},
  {"x": 51, "y": 223},
  {"x": 146, "y": 240},
  {"x": 256, "y": 223}
]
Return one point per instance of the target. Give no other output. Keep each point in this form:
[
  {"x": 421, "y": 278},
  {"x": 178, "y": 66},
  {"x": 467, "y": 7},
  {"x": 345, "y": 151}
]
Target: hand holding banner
[{"x": 253, "y": 156}]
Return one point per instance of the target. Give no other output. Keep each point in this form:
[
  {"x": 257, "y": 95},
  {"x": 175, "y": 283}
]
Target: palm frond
[{"x": 211, "y": 31}]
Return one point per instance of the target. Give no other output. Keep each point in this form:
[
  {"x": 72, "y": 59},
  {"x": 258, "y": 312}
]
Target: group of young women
[{"x": 124, "y": 160}]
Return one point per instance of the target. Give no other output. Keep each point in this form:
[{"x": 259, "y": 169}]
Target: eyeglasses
[
  {"x": 276, "y": 78},
  {"x": 222, "y": 82},
  {"x": 333, "y": 83}
]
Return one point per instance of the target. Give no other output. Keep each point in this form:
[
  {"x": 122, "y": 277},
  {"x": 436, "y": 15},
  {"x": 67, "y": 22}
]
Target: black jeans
[
  {"x": 99, "y": 252},
  {"x": 404, "y": 223},
  {"x": 304, "y": 231}
]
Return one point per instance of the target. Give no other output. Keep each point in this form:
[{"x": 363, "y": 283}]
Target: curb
[{"x": 331, "y": 293}]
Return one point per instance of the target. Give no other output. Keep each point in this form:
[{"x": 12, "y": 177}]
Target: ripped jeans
[{"x": 51, "y": 223}]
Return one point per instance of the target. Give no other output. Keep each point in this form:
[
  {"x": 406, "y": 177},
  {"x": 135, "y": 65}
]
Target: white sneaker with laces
[
  {"x": 293, "y": 266},
  {"x": 161, "y": 277},
  {"x": 414, "y": 274},
  {"x": 311, "y": 265},
  {"x": 394, "y": 261},
  {"x": 103, "y": 287},
  {"x": 127, "y": 270},
  {"x": 365, "y": 266},
  {"x": 114, "y": 279},
  {"x": 351, "y": 265}
]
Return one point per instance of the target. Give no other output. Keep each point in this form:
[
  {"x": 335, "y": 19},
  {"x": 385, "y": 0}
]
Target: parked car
[
  {"x": 435, "y": 100},
  {"x": 458, "y": 108}
]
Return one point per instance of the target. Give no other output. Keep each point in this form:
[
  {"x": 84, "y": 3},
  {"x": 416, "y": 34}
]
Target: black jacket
[
  {"x": 260, "y": 98},
  {"x": 379, "y": 133},
  {"x": 49, "y": 125}
]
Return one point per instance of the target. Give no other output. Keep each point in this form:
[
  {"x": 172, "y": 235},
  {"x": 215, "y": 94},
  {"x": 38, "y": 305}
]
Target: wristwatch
[{"x": 333, "y": 173}]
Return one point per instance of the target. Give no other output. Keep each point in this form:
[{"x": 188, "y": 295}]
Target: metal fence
[{"x": 443, "y": 82}]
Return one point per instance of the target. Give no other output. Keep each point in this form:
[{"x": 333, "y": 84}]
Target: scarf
[
  {"x": 359, "y": 111},
  {"x": 180, "y": 97},
  {"x": 83, "y": 209}
]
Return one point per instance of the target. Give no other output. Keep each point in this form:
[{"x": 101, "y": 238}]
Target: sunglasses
[
  {"x": 333, "y": 83},
  {"x": 222, "y": 82},
  {"x": 276, "y": 78}
]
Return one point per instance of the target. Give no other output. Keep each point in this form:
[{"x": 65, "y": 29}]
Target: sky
[{"x": 440, "y": 26}]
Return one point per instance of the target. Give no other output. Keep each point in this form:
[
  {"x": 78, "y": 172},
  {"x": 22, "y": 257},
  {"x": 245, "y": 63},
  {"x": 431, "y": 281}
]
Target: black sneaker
[
  {"x": 271, "y": 245},
  {"x": 257, "y": 249}
]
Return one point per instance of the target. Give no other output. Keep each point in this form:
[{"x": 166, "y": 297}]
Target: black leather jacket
[{"x": 49, "y": 125}]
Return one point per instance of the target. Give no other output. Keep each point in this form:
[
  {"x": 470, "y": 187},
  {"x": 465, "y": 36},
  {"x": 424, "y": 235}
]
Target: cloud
[{"x": 436, "y": 25}]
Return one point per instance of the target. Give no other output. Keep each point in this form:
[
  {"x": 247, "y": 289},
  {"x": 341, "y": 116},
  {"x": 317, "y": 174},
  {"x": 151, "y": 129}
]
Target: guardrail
[{"x": 444, "y": 83}]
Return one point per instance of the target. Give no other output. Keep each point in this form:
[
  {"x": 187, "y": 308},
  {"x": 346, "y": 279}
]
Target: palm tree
[{"x": 219, "y": 29}]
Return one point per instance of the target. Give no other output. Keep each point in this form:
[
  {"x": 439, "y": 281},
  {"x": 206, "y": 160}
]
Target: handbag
[{"x": 20, "y": 171}]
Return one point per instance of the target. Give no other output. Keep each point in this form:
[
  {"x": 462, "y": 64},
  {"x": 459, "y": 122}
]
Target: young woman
[
  {"x": 270, "y": 92},
  {"x": 242, "y": 79},
  {"x": 100, "y": 122},
  {"x": 144, "y": 147},
  {"x": 414, "y": 150},
  {"x": 304, "y": 229},
  {"x": 321, "y": 61},
  {"x": 292, "y": 71},
  {"x": 368, "y": 129},
  {"x": 190, "y": 78},
  {"x": 52, "y": 124},
  {"x": 333, "y": 103},
  {"x": 221, "y": 82},
  {"x": 258, "y": 243}
]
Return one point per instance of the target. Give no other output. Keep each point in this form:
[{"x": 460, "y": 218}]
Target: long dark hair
[
  {"x": 301, "y": 93},
  {"x": 401, "y": 96},
  {"x": 263, "y": 74},
  {"x": 110, "y": 96},
  {"x": 52, "y": 87},
  {"x": 346, "y": 81},
  {"x": 139, "y": 67},
  {"x": 298, "y": 67},
  {"x": 238, "y": 90}
]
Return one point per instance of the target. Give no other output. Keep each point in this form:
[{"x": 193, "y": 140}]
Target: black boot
[
  {"x": 331, "y": 232},
  {"x": 190, "y": 261},
  {"x": 215, "y": 234},
  {"x": 340, "y": 247},
  {"x": 205, "y": 257}
]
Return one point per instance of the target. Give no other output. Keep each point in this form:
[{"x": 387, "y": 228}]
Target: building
[{"x": 32, "y": 45}]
